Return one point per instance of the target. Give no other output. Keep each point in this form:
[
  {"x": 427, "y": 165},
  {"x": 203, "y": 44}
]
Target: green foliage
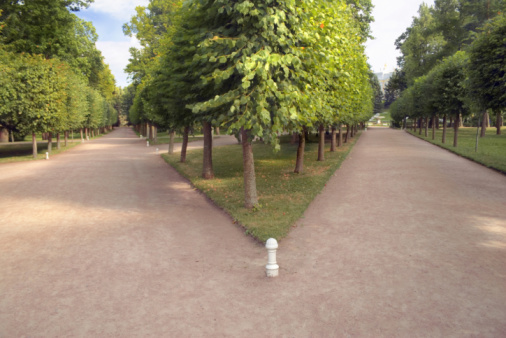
[
  {"x": 487, "y": 66},
  {"x": 378, "y": 94}
]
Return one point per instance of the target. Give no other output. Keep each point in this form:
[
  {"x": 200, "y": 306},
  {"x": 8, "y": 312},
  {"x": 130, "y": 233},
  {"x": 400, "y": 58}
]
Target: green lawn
[
  {"x": 283, "y": 195},
  {"x": 491, "y": 148},
  {"x": 23, "y": 151}
]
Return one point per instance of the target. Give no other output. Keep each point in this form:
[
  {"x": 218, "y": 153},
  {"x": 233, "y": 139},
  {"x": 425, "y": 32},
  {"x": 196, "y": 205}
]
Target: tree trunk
[
  {"x": 184, "y": 146},
  {"x": 321, "y": 143},
  {"x": 171, "y": 141},
  {"x": 58, "y": 146},
  {"x": 153, "y": 133},
  {"x": 217, "y": 130},
  {"x": 426, "y": 120},
  {"x": 456, "y": 128},
  {"x": 81, "y": 132},
  {"x": 294, "y": 140},
  {"x": 347, "y": 133},
  {"x": 433, "y": 127},
  {"x": 207, "y": 166},
  {"x": 420, "y": 125},
  {"x": 444, "y": 129},
  {"x": 4, "y": 135},
  {"x": 250, "y": 186},
  {"x": 484, "y": 124},
  {"x": 340, "y": 139},
  {"x": 333, "y": 142},
  {"x": 66, "y": 136},
  {"x": 34, "y": 145},
  {"x": 299, "y": 164},
  {"x": 498, "y": 122},
  {"x": 49, "y": 142}
]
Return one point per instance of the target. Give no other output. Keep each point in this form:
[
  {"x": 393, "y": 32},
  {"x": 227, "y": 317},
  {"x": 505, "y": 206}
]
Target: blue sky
[{"x": 392, "y": 17}]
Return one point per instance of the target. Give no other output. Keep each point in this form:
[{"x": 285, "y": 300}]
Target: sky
[{"x": 392, "y": 17}]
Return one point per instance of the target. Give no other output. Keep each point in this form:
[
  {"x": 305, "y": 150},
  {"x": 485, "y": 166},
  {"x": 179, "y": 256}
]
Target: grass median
[
  {"x": 491, "y": 148},
  {"x": 283, "y": 195}
]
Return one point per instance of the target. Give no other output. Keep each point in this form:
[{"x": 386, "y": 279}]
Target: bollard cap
[{"x": 271, "y": 243}]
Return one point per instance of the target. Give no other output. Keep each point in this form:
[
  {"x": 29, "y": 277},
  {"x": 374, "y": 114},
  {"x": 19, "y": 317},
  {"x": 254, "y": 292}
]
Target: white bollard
[
  {"x": 47, "y": 156},
  {"x": 147, "y": 143},
  {"x": 157, "y": 151},
  {"x": 272, "y": 268}
]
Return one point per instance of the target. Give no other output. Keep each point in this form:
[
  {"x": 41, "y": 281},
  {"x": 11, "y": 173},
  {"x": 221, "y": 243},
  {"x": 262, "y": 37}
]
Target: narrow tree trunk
[
  {"x": 184, "y": 146},
  {"x": 66, "y": 137},
  {"x": 456, "y": 129},
  {"x": 293, "y": 139},
  {"x": 58, "y": 146},
  {"x": 250, "y": 186},
  {"x": 81, "y": 132},
  {"x": 498, "y": 122},
  {"x": 49, "y": 142},
  {"x": 171, "y": 141},
  {"x": 207, "y": 167},
  {"x": 340, "y": 139},
  {"x": 299, "y": 164},
  {"x": 333, "y": 142},
  {"x": 347, "y": 133},
  {"x": 426, "y": 126},
  {"x": 4, "y": 135},
  {"x": 321, "y": 143},
  {"x": 444, "y": 129},
  {"x": 484, "y": 124},
  {"x": 217, "y": 130},
  {"x": 34, "y": 145},
  {"x": 433, "y": 127}
]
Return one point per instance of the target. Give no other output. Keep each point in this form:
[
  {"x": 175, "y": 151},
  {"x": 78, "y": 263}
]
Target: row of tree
[
  {"x": 52, "y": 77},
  {"x": 257, "y": 69},
  {"x": 452, "y": 65}
]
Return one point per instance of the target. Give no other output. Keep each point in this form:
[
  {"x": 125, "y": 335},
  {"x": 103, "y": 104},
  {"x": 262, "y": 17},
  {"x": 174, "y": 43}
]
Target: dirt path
[{"x": 107, "y": 240}]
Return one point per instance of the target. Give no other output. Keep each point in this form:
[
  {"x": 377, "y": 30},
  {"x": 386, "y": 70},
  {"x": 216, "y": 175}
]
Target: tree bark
[
  {"x": 4, "y": 135},
  {"x": 443, "y": 140},
  {"x": 340, "y": 139},
  {"x": 484, "y": 124},
  {"x": 171, "y": 141},
  {"x": 456, "y": 129},
  {"x": 498, "y": 122},
  {"x": 333, "y": 142},
  {"x": 49, "y": 142},
  {"x": 66, "y": 136},
  {"x": 34, "y": 145},
  {"x": 207, "y": 167},
  {"x": 250, "y": 186},
  {"x": 81, "y": 132},
  {"x": 321, "y": 143},
  {"x": 299, "y": 164},
  {"x": 217, "y": 130},
  {"x": 184, "y": 146},
  {"x": 58, "y": 141}
]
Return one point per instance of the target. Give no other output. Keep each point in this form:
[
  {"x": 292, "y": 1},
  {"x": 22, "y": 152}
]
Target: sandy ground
[{"x": 406, "y": 240}]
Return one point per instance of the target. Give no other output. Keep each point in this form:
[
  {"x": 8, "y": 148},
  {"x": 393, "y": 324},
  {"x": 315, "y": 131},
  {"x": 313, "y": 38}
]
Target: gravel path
[{"x": 107, "y": 240}]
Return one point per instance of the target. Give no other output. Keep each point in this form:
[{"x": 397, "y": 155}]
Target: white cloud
[
  {"x": 116, "y": 55},
  {"x": 392, "y": 17},
  {"x": 119, "y": 9}
]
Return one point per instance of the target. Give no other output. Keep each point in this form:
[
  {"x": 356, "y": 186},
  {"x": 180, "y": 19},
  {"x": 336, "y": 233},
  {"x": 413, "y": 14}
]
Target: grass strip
[
  {"x": 283, "y": 195},
  {"x": 491, "y": 148}
]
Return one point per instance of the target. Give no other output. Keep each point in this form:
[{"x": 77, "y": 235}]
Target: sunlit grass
[
  {"x": 283, "y": 195},
  {"x": 491, "y": 148}
]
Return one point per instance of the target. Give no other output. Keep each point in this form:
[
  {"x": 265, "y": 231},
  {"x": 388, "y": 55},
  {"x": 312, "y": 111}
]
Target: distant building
[{"x": 383, "y": 79}]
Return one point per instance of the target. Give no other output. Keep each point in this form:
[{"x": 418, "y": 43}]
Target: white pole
[
  {"x": 272, "y": 268},
  {"x": 47, "y": 156},
  {"x": 147, "y": 143}
]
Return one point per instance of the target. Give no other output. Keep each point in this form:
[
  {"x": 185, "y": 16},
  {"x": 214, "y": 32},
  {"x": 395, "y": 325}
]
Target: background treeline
[
  {"x": 256, "y": 69},
  {"x": 452, "y": 68},
  {"x": 52, "y": 77}
]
